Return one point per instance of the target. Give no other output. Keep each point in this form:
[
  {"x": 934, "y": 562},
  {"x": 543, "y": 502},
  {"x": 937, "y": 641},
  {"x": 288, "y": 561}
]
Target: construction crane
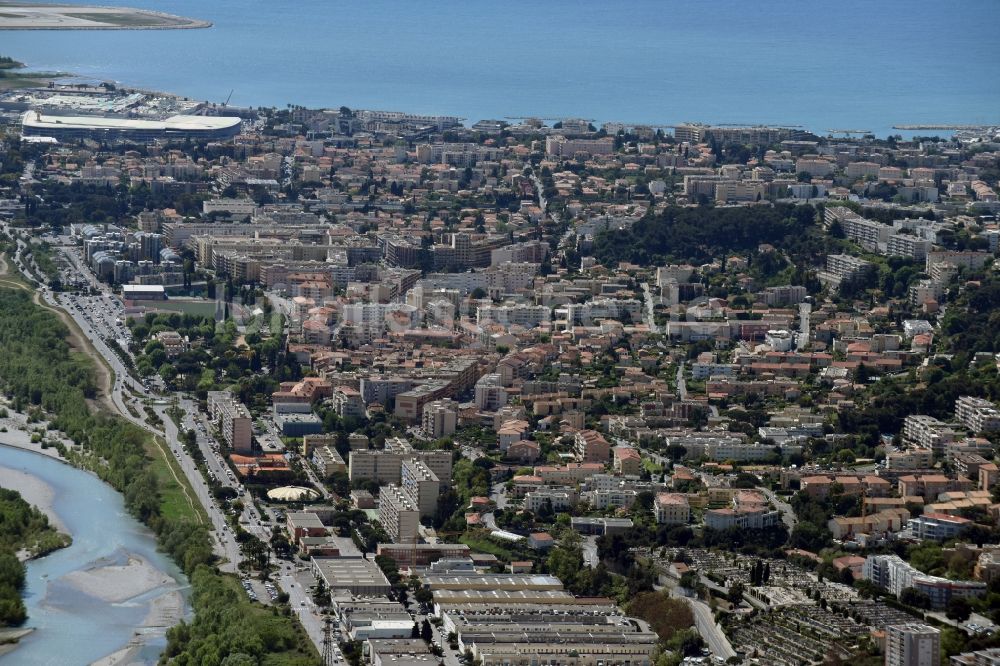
[{"x": 226, "y": 103}]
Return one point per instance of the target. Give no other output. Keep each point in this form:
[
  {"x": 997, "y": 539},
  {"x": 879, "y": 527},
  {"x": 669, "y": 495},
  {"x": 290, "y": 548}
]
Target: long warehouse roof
[{"x": 188, "y": 123}]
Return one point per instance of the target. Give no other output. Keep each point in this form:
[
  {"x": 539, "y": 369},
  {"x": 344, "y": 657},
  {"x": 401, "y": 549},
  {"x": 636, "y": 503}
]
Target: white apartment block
[
  {"x": 910, "y": 459},
  {"x": 561, "y": 146},
  {"x": 233, "y": 419},
  {"x": 586, "y": 314},
  {"x": 927, "y": 432},
  {"x": 869, "y": 234},
  {"x": 398, "y": 515},
  {"x": 236, "y": 207},
  {"x": 385, "y": 465},
  {"x": 526, "y": 316},
  {"x": 841, "y": 267},
  {"x": 912, "y": 645},
  {"x": 440, "y": 418},
  {"x": 420, "y": 485},
  {"x": 490, "y": 394},
  {"x": 977, "y": 415},
  {"x": 905, "y": 245}
]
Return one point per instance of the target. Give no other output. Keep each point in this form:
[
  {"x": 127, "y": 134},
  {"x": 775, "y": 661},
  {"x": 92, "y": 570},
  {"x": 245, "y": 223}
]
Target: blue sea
[{"x": 823, "y": 65}]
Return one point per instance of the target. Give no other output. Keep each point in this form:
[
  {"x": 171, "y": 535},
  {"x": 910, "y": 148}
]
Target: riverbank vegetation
[
  {"x": 38, "y": 370},
  {"x": 25, "y": 528},
  {"x": 26, "y": 531}
]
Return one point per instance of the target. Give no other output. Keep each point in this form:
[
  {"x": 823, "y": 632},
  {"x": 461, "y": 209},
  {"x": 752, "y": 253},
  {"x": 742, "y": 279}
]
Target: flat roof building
[
  {"x": 358, "y": 576},
  {"x": 100, "y": 128},
  {"x": 233, "y": 419},
  {"x": 912, "y": 645}
]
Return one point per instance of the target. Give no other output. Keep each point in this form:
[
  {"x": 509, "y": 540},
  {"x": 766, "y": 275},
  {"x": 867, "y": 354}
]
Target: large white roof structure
[{"x": 34, "y": 123}]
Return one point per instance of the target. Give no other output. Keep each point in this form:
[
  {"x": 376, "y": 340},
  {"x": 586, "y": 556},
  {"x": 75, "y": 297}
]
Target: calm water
[
  {"x": 71, "y": 627},
  {"x": 848, "y": 64}
]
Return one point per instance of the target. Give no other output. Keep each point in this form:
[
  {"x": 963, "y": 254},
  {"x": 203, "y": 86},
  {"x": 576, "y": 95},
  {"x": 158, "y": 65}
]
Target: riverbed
[{"x": 109, "y": 597}]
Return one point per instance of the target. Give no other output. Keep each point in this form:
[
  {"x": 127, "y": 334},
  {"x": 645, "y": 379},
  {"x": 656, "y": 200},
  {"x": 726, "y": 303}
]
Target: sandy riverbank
[
  {"x": 33, "y": 490},
  {"x": 115, "y": 583}
]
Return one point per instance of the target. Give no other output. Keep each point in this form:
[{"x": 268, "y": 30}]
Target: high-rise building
[{"x": 912, "y": 645}]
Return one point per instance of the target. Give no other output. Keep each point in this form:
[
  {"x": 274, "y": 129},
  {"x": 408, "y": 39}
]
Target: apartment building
[
  {"x": 560, "y": 146},
  {"x": 878, "y": 523},
  {"x": 385, "y": 465},
  {"x": 347, "y": 403},
  {"x": 937, "y": 526},
  {"x": 233, "y": 420},
  {"x": 869, "y": 234},
  {"x": 398, "y": 514},
  {"x": 977, "y": 415},
  {"x": 906, "y": 245},
  {"x": 784, "y": 295},
  {"x": 927, "y": 432},
  {"x": 591, "y": 447},
  {"x": 569, "y": 474},
  {"x": 912, "y": 645},
  {"x": 555, "y": 499},
  {"x": 894, "y": 574},
  {"x": 173, "y": 344},
  {"x": 523, "y": 315},
  {"x": 490, "y": 393},
  {"x": 626, "y": 461},
  {"x": 988, "y": 657},
  {"x": 745, "y": 519},
  {"x": 440, "y": 418},
  {"x": 619, "y": 309},
  {"x": 910, "y": 459},
  {"x": 328, "y": 461},
  {"x": 862, "y": 170},
  {"x": 815, "y": 166},
  {"x": 672, "y": 509},
  {"x": 842, "y": 268},
  {"x": 929, "y": 486},
  {"x": 420, "y": 485}
]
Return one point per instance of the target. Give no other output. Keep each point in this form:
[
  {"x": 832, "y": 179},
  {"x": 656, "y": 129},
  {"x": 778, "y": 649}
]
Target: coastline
[{"x": 176, "y": 22}]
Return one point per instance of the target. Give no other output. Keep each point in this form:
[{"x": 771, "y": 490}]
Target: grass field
[
  {"x": 177, "y": 498},
  {"x": 199, "y": 308},
  {"x": 484, "y": 545}
]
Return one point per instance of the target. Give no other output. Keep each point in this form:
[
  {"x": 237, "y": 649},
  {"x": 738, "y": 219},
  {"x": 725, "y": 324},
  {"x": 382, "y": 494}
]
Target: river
[
  {"x": 110, "y": 592},
  {"x": 852, "y": 64}
]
